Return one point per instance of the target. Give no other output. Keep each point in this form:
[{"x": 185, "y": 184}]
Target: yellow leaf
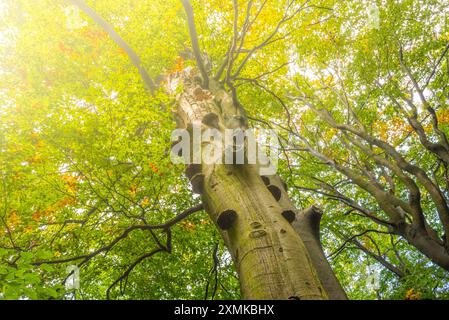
[{"x": 145, "y": 202}]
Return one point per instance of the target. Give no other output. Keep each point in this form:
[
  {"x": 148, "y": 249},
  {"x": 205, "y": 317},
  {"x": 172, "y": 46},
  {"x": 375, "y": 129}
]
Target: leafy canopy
[{"x": 84, "y": 147}]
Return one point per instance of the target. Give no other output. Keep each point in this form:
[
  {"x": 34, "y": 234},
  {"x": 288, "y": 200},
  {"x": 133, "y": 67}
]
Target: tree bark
[
  {"x": 270, "y": 257},
  {"x": 307, "y": 225},
  {"x": 421, "y": 240}
]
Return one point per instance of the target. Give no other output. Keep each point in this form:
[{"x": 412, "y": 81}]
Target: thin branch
[
  {"x": 394, "y": 269},
  {"x": 194, "y": 40},
  {"x": 266, "y": 73},
  {"x": 130, "y": 268},
  {"x": 342, "y": 246},
  {"x": 440, "y": 59},
  {"x": 149, "y": 84},
  {"x": 213, "y": 271},
  {"x": 270, "y": 37},
  {"x": 125, "y": 233}
]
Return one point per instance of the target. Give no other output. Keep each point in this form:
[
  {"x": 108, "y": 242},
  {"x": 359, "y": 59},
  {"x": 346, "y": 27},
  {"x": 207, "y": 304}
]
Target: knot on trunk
[
  {"x": 194, "y": 174},
  {"x": 202, "y": 95},
  {"x": 289, "y": 215},
  {"x": 226, "y": 219},
  {"x": 275, "y": 191},
  {"x": 265, "y": 180},
  {"x": 211, "y": 120}
]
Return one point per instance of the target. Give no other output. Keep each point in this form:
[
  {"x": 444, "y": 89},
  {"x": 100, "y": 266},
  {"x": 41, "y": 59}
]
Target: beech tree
[{"x": 356, "y": 92}]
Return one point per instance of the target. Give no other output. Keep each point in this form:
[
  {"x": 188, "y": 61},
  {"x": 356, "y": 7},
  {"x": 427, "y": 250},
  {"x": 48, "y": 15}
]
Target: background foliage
[{"x": 84, "y": 148}]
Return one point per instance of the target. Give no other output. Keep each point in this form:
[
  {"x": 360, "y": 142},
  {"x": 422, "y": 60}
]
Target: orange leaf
[{"x": 133, "y": 190}]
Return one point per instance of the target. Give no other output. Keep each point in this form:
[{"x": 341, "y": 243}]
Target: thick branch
[{"x": 307, "y": 225}]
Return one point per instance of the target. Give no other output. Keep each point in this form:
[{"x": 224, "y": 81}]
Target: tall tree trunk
[{"x": 270, "y": 257}]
